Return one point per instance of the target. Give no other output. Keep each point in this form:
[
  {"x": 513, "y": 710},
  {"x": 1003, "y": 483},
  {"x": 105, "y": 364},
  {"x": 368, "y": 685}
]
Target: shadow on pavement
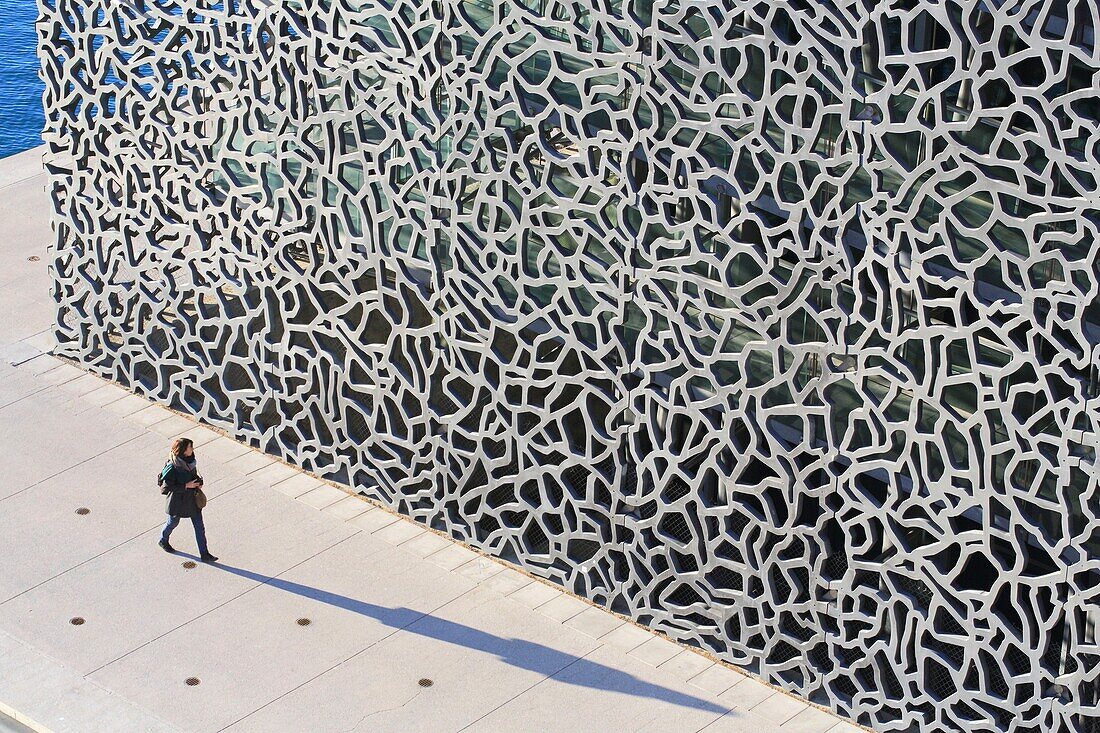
[{"x": 517, "y": 652}]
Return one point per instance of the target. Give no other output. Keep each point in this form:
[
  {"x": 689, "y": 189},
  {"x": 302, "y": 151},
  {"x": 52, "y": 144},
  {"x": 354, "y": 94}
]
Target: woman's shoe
[
  {"x": 207, "y": 557},
  {"x": 165, "y": 546}
]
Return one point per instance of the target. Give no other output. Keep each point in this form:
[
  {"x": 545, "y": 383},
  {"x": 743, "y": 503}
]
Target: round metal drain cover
[
  {"x": 76, "y": 621},
  {"x": 304, "y": 622},
  {"x": 189, "y": 564},
  {"x": 191, "y": 681},
  {"x": 83, "y": 510},
  {"x": 425, "y": 682}
]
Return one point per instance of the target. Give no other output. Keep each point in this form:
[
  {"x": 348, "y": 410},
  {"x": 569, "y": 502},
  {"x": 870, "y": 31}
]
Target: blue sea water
[{"x": 21, "y": 118}]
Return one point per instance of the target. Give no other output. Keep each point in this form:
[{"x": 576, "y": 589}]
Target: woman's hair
[{"x": 180, "y": 446}]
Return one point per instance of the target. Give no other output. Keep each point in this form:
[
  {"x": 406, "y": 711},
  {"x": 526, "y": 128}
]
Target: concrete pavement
[{"x": 326, "y": 613}]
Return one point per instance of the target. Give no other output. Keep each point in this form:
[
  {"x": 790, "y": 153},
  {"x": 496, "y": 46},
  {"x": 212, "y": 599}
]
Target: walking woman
[{"x": 183, "y": 485}]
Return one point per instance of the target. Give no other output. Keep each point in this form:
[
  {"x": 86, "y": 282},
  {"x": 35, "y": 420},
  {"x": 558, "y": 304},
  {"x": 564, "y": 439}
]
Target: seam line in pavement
[
  {"x": 364, "y": 650},
  {"x": 21, "y": 362}
]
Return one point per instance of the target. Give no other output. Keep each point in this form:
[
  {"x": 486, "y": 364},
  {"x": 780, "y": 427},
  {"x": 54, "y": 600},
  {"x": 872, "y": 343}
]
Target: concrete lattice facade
[{"x": 773, "y": 325}]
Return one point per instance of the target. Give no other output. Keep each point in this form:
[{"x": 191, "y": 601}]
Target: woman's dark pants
[{"x": 200, "y": 530}]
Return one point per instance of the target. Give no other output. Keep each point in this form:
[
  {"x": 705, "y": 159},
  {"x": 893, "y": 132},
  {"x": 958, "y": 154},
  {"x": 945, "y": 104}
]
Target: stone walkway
[{"x": 326, "y": 613}]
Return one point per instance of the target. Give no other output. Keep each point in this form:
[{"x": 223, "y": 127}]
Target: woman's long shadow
[{"x": 517, "y": 652}]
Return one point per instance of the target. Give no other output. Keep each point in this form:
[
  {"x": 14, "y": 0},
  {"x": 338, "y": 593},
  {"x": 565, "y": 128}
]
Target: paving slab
[
  {"x": 479, "y": 569},
  {"x": 373, "y": 520},
  {"x": 626, "y": 637},
  {"x": 426, "y": 544},
  {"x": 400, "y": 532},
  {"x": 348, "y": 507},
  {"x": 18, "y": 353},
  {"x": 251, "y": 462},
  {"x": 105, "y": 395},
  {"x": 595, "y": 622},
  {"x": 738, "y": 721},
  {"x": 40, "y": 365},
  {"x": 779, "y": 708},
  {"x": 202, "y": 436},
  {"x": 264, "y": 542},
  {"x": 452, "y": 557},
  {"x": 34, "y": 308},
  {"x": 656, "y": 651},
  {"x": 17, "y": 383},
  {"x": 273, "y": 474},
  {"x": 128, "y": 405},
  {"x": 44, "y": 340},
  {"x": 174, "y": 427},
  {"x": 686, "y": 665},
  {"x": 535, "y": 593},
  {"x": 23, "y": 167},
  {"x": 150, "y": 416},
  {"x": 296, "y": 486},
  {"x": 507, "y": 581},
  {"x": 811, "y": 720},
  {"x": 322, "y": 496},
  {"x": 717, "y": 679},
  {"x": 563, "y": 608},
  {"x": 66, "y": 372},
  {"x": 223, "y": 450},
  {"x": 82, "y": 385},
  {"x": 750, "y": 693}
]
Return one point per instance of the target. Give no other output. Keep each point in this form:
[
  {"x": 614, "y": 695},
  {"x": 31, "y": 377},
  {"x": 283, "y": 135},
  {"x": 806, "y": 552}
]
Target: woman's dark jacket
[{"x": 180, "y": 500}]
